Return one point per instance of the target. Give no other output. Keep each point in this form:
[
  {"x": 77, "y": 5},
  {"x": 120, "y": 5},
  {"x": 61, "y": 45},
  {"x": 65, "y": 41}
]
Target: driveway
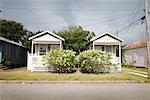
[{"x": 70, "y": 91}]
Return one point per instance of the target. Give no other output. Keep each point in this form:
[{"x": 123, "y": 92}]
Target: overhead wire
[
  {"x": 109, "y": 20},
  {"x": 130, "y": 16},
  {"x": 132, "y": 23},
  {"x": 66, "y": 9},
  {"x": 103, "y": 19}
]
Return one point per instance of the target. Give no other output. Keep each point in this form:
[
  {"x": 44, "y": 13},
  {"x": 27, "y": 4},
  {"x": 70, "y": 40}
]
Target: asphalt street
[{"x": 68, "y": 91}]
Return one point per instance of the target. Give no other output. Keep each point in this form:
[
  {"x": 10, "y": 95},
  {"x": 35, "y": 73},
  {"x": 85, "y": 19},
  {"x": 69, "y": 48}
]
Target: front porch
[
  {"x": 41, "y": 44},
  {"x": 115, "y": 50},
  {"x": 35, "y": 58},
  {"x": 109, "y": 43}
]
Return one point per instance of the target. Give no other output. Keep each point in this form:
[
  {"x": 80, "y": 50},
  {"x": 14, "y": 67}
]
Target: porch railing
[
  {"x": 116, "y": 60},
  {"x": 34, "y": 60}
]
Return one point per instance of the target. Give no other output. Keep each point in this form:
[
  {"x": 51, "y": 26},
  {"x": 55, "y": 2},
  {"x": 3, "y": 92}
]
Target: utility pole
[{"x": 147, "y": 26}]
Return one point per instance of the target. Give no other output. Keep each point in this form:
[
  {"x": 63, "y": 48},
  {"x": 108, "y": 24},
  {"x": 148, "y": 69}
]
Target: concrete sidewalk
[{"x": 138, "y": 73}]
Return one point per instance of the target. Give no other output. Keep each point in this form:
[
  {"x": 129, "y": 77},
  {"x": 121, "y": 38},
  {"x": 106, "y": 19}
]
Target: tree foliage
[
  {"x": 15, "y": 31},
  {"x": 12, "y": 30},
  {"x": 76, "y": 38},
  {"x": 26, "y": 42}
]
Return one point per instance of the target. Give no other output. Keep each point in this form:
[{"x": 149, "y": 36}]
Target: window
[
  {"x": 114, "y": 49},
  {"x": 108, "y": 49},
  {"x": 42, "y": 49},
  {"x": 98, "y": 47},
  {"x": 55, "y": 46}
]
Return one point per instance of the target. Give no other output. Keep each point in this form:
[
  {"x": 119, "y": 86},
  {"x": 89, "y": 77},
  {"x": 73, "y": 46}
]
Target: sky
[{"x": 99, "y": 16}]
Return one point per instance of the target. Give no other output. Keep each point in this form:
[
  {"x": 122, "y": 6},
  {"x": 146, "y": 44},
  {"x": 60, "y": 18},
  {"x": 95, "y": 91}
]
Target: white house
[
  {"x": 41, "y": 44},
  {"x": 135, "y": 54},
  {"x": 109, "y": 43}
]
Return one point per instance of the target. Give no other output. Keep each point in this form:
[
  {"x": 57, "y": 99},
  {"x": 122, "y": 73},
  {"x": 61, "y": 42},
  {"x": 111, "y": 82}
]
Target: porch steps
[
  {"x": 2, "y": 67},
  {"x": 38, "y": 64}
]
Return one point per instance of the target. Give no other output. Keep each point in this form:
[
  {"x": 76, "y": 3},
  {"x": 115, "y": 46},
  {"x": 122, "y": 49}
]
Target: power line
[
  {"x": 106, "y": 17},
  {"x": 130, "y": 25},
  {"x": 133, "y": 17},
  {"x": 65, "y": 9},
  {"x": 103, "y": 19},
  {"x": 116, "y": 18},
  {"x": 135, "y": 24},
  {"x": 132, "y": 29},
  {"x": 134, "y": 13}
]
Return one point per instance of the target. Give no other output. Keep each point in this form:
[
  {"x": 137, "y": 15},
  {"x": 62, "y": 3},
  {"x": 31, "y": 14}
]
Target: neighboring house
[
  {"x": 12, "y": 51},
  {"x": 109, "y": 43},
  {"x": 41, "y": 44},
  {"x": 135, "y": 54}
]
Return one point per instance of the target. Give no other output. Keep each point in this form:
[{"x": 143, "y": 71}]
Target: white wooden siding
[
  {"x": 106, "y": 38},
  {"x": 136, "y": 57},
  {"x": 41, "y": 44},
  {"x": 46, "y": 37},
  {"x": 109, "y": 42}
]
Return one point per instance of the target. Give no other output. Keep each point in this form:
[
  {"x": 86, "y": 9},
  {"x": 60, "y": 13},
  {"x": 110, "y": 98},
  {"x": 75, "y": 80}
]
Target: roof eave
[
  {"x": 106, "y": 33},
  {"x": 30, "y": 38}
]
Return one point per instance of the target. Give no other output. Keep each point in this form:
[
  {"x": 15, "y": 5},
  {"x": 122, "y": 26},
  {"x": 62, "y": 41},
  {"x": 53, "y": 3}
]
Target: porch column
[
  {"x": 32, "y": 48},
  {"x": 119, "y": 56},
  {"x": 36, "y": 49},
  {"x": 90, "y": 46},
  {"x": 60, "y": 45},
  {"x": 93, "y": 46}
]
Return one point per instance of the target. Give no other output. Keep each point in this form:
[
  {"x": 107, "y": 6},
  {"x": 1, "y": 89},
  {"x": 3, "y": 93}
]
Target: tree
[
  {"x": 12, "y": 30},
  {"x": 76, "y": 38},
  {"x": 26, "y": 42}
]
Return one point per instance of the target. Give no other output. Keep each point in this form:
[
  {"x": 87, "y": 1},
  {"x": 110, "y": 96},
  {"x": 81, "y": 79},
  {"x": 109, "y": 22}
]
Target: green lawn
[{"x": 23, "y": 74}]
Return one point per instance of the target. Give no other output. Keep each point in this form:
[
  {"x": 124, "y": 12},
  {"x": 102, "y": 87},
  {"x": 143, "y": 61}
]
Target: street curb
[{"x": 65, "y": 82}]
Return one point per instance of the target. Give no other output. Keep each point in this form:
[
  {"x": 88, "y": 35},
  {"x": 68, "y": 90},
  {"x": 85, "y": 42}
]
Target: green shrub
[
  {"x": 61, "y": 60},
  {"x": 7, "y": 62},
  {"x": 94, "y": 61}
]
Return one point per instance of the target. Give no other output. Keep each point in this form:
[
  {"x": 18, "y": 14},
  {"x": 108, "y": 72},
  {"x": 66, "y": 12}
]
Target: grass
[{"x": 23, "y": 74}]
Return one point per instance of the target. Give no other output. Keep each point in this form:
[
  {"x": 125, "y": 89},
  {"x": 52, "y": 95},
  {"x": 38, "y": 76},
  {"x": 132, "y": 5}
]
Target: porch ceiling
[
  {"x": 106, "y": 43},
  {"x": 46, "y": 42}
]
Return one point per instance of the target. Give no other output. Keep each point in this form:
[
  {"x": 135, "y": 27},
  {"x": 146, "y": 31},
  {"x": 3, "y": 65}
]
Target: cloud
[{"x": 55, "y": 14}]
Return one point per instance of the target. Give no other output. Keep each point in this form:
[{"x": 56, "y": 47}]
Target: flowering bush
[
  {"x": 61, "y": 60},
  {"x": 94, "y": 61}
]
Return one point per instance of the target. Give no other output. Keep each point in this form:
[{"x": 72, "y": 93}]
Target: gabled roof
[
  {"x": 106, "y": 33},
  {"x": 10, "y": 41},
  {"x": 47, "y": 32},
  {"x": 136, "y": 44}
]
